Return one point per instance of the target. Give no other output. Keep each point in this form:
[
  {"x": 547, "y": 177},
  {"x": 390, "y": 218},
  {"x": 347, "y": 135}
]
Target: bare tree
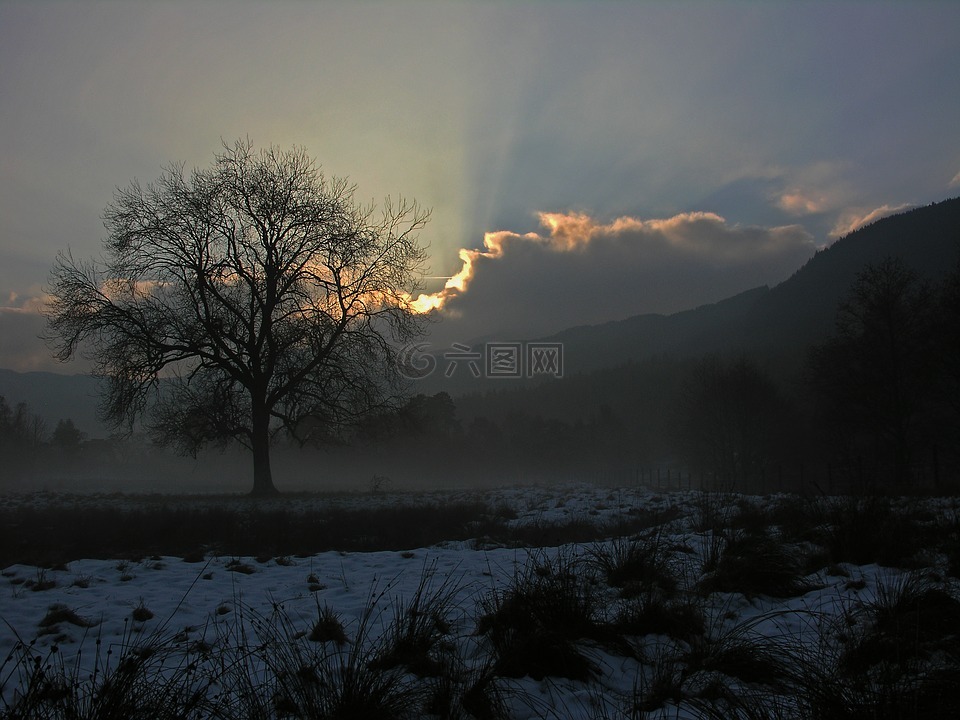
[{"x": 250, "y": 297}]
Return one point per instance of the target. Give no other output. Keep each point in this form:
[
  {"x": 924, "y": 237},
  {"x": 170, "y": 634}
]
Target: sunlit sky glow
[{"x": 584, "y": 161}]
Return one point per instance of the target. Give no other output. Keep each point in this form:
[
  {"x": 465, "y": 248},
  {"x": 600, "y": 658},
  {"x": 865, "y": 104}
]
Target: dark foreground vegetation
[
  {"x": 67, "y": 529},
  {"x": 656, "y": 593}
]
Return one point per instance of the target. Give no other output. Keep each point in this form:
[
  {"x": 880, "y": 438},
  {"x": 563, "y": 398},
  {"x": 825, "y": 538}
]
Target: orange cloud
[
  {"x": 856, "y": 218},
  {"x": 796, "y": 202}
]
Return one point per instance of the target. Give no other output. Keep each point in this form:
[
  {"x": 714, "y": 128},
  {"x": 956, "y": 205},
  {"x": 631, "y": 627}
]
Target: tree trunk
[{"x": 260, "y": 441}]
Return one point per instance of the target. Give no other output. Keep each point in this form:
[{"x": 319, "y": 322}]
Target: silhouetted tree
[
  {"x": 66, "y": 435},
  {"x": 876, "y": 374},
  {"x": 434, "y": 416},
  {"x": 266, "y": 294}
]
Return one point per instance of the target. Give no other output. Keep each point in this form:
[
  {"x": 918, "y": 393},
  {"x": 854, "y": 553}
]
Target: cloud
[
  {"x": 34, "y": 301},
  {"x": 955, "y": 182},
  {"x": 828, "y": 191},
  {"x": 798, "y": 202},
  {"x": 856, "y": 218},
  {"x": 579, "y": 270},
  {"x": 824, "y": 188}
]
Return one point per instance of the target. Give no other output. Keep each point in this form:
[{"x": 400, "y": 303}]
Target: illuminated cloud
[
  {"x": 796, "y": 202},
  {"x": 956, "y": 181},
  {"x": 816, "y": 188},
  {"x": 856, "y": 218},
  {"x": 580, "y": 270},
  {"x": 827, "y": 189}
]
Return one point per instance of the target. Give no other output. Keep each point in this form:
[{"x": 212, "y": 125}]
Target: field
[{"x": 534, "y": 602}]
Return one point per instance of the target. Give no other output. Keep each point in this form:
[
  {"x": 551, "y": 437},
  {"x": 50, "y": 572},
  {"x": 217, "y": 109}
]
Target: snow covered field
[{"x": 725, "y": 606}]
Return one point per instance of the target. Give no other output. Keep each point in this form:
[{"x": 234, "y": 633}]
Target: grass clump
[
  {"x": 150, "y": 678},
  {"x": 636, "y": 566},
  {"x": 910, "y": 621},
  {"x": 59, "y": 613},
  {"x": 41, "y": 583},
  {"x": 141, "y": 613},
  {"x": 328, "y": 627},
  {"x": 754, "y": 564},
  {"x": 737, "y": 671},
  {"x": 416, "y": 636},
  {"x": 238, "y": 566},
  {"x": 655, "y": 615},
  {"x": 535, "y": 625},
  {"x": 897, "y": 656},
  {"x": 864, "y": 530},
  {"x": 285, "y": 675}
]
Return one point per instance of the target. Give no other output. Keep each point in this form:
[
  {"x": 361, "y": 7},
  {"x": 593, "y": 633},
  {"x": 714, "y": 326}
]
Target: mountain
[
  {"x": 718, "y": 327},
  {"x": 802, "y": 309},
  {"x": 780, "y": 323}
]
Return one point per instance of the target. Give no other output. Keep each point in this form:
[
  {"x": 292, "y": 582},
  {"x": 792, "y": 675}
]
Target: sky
[{"x": 584, "y": 161}]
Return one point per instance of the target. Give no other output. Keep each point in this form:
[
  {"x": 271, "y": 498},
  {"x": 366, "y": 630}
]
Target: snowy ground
[{"x": 124, "y": 603}]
